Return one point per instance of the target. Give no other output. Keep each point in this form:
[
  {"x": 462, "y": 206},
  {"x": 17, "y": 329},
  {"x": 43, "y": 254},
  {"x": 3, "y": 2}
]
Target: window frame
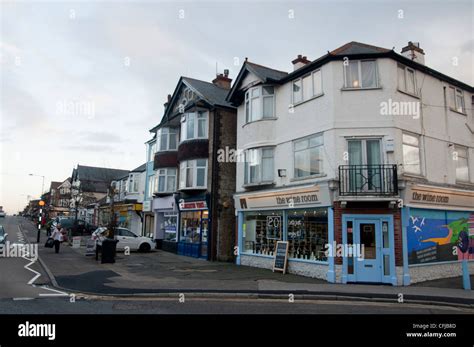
[
  {"x": 247, "y": 177},
  {"x": 418, "y": 137},
  {"x": 406, "y": 69},
  {"x": 151, "y": 185},
  {"x": 454, "y": 107},
  {"x": 466, "y": 149},
  {"x": 308, "y": 139},
  {"x": 359, "y": 74},
  {"x": 261, "y": 96},
  {"x": 313, "y": 94},
  {"x": 166, "y": 131},
  {"x": 166, "y": 176},
  {"x": 184, "y": 166},
  {"x": 183, "y": 136}
]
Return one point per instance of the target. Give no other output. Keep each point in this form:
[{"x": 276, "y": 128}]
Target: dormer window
[
  {"x": 259, "y": 103},
  {"x": 194, "y": 125},
  {"x": 360, "y": 74},
  {"x": 167, "y": 139}
]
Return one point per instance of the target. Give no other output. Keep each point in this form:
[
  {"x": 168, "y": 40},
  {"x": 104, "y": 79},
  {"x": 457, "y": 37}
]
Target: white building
[{"x": 361, "y": 146}]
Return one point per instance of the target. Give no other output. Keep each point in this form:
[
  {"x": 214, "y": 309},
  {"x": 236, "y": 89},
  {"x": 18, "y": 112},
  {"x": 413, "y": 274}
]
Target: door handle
[{"x": 368, "y": 265}]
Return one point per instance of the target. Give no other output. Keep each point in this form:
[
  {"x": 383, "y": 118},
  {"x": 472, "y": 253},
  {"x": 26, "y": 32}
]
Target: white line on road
[{"x": 22, "y": 299}]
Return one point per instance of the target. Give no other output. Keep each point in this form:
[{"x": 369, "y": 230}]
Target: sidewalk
[{"x": 160, "y": 272}]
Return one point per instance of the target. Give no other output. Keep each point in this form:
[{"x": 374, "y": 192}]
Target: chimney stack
[
  {"x": 300, "y": 61},
  {"x": 414, "y": 52},
  {"x": 167, "y": 102},
  {"x": 223, "y": 80}
]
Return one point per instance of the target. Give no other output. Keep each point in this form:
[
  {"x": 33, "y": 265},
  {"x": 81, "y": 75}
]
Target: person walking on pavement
[{"x": 57, "y": 236}]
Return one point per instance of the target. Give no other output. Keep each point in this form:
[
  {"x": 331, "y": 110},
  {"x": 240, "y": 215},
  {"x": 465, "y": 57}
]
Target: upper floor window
[
  {"x": 456, "y": 100},
  {"x": 460, "y": 157},
  {"x": 151, "y": 151},
  {"x": 133, "y": 184},
  {"x": 193, "y": 174},
  {"x": 151, "y": 186},
  {"x": 308, "y": 156},
  {"x": 307, "y": 87},
  {"x": 360, "y": 74},
  {"x": 259, "y": 103},
  {"x": 411, "y": 154},
  {"x": 166, "y": 180},
  {"x": 166, "y": 139},
  {"x": 258, "y": 165},
  {"x": 406, "y": 79},
  {"x": 194, "y": 125}
]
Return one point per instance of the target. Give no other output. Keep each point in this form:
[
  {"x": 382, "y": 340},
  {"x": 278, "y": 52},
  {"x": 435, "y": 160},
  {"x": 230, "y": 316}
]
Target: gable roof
[
  {"x": 96, "y": 179},
  {"x": 55, "y": 185},
  {"x": 141, "y": 168},
  {"x": 353, "y": 49},
  {"x": 210, "y": 93}
]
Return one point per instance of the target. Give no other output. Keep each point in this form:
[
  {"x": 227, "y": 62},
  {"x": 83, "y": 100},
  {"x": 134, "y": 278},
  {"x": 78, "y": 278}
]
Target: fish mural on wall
[{"x": 436, "y": 236}]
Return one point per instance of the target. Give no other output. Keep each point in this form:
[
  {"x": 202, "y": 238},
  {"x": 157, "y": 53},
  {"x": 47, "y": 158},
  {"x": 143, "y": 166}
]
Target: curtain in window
[
  {"x": 367, "y": 69},
  {"x": 374, "y": 178},
  {"x": 355, "y": 158}
]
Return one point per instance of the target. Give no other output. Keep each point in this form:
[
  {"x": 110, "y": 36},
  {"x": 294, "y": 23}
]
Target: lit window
[{"x": 360, "y": 74}]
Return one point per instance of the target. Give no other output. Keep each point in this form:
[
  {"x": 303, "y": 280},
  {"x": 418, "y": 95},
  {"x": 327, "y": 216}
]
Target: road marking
[{"x": 22, "y": 299}]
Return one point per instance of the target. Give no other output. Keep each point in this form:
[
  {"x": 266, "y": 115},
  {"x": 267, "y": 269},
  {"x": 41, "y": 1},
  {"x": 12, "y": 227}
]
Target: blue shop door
[{"x": 368, "y": 233}]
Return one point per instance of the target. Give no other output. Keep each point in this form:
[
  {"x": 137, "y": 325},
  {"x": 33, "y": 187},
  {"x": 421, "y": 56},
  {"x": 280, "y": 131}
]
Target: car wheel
[{"x": 144, "y": 247}]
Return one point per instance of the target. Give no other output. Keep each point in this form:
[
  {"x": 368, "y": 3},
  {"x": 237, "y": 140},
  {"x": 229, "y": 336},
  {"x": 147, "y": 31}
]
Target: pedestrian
[{"x": 57, "y": 236}]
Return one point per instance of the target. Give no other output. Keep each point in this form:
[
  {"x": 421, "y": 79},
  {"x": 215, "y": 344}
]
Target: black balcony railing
[{"x": 365, "y": 180}]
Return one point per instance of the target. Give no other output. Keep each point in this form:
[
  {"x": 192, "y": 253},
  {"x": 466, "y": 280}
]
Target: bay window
[
  {"x": 411, "y": 154},
  {"x": 258, "y": 165},
  {"x": 133, "y": 184},
  {"x": 167, "y": 139},
  {"x": 259, "y": 103},
  {"x": 406, "y": 80},
  {"x": 151, "y": 186},
  {"x": 456, "y": 100},
  {"x": 194, "y": 125},
  {"x": 307, "y": 87},
  {"x": 166, "y": 180},
  {"x": 151, "y": 151},
  {"x": 360, "y": 74},
  {"x": 193, "y": 174},
  {"x": 308, "y": 156}
]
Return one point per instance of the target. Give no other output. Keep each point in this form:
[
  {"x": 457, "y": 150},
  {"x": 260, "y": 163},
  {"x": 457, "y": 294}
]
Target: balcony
[{"x": 368, "y": 180}]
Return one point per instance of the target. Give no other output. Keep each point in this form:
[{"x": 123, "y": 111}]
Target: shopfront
[
  {"x": 166, "y": 216},
  {"x": 302, "y": 216},
  {"x": 128, "y": 216},
  {"x": 439, "y": 228},
  {"x": 194, "y": 222}
]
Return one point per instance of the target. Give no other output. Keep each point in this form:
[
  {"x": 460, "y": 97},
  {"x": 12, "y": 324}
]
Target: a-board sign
[{"x": 281, "y": 256}]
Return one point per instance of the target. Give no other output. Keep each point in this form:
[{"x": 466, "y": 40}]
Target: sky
[{"x": 83, "y": 82}]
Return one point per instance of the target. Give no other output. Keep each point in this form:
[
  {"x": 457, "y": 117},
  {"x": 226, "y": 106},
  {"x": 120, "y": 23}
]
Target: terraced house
[
  {"x": 192, "y": 191},
  {"x": 363, "y": 146}
]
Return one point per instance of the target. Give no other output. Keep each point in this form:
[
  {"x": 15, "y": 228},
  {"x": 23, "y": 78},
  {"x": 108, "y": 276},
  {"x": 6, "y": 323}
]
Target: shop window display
[
  {"x": 308, "y": 234},
  {"x": 261, "y": 232}
]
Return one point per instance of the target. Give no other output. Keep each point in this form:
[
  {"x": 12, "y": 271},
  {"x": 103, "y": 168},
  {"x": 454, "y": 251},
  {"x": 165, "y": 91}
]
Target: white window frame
[
  {"x": 261, "y": 96},
  {"x": 166, "y": 132},
  {"x": 457, "y": 149},
  {"x": 456, "y": 107},
  {"x": 404, "y": 88},
  {"x": 419, "y": 154},
  {"x": 184, "y": 165},
  {"x": 166, "y": 176},
  {"x": 313, "y": 93},
  {"x": 184, "y": 125},
  {"x": 259, "y": 151},
  {"x": 151, "y": 151},
  {"x": 151, "y": 185},
  {"x": 321, "y": 145},
  {"x": 359, "y": 73},
  {"x": 131, "y": 184}
]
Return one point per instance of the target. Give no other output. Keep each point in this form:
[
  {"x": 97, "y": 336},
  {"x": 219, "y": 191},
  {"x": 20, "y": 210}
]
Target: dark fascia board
[{"x": 242, "y": 73}]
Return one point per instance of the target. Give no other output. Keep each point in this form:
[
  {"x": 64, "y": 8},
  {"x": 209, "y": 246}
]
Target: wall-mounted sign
[
  {"x": 192, "y": 205},
  {"x": 285, "y": 198},
  {"x": 147, "y": 206},
  {"x": 434, "y": 196}
]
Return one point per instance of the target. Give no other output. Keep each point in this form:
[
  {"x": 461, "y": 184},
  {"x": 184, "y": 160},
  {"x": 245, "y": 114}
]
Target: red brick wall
[{"x": 370, "y": 208}]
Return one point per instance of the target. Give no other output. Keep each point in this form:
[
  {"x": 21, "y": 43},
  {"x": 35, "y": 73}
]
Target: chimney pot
[
  {"x": 300, "y": 61},
  {"x": 222, "y": 80},
  {"x": 414, "y": 52}
]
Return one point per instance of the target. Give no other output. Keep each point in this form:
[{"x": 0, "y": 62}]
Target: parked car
[
  {"x": 126, "y": 238},
  {"x": 2, "y": 214},
  {"x": 3, "y": 235},
  {"x": 76, "y": 227}
]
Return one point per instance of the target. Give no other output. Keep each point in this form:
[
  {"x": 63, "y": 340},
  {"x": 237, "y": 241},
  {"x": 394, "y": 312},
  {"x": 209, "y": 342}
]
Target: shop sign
[
  {"x": 281, "y": 256},
  {"x": 192, "y": 205},
  {"x": 425, "y": 195},
  {"x": 293, "y": 198},
  {"x": 147, "y": 206}
]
